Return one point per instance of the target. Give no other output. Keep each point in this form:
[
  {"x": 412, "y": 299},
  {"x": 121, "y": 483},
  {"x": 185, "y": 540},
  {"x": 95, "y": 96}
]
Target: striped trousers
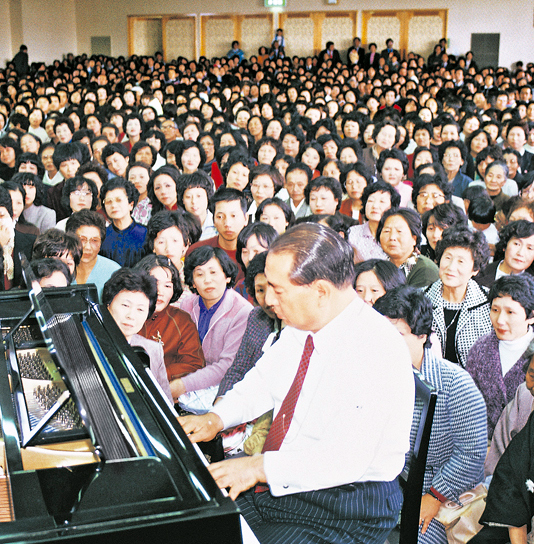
[{"x": 362, "y": 512}]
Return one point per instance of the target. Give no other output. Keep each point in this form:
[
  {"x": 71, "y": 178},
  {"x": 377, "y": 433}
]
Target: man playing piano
[{"x": 329, "y": 466}]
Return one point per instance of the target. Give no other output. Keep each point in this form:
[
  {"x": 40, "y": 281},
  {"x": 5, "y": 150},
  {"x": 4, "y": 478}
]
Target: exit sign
[{"x": 275, "y": 3}]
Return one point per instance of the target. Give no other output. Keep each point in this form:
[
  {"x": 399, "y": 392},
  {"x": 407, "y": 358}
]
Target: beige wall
[
  {"x": 48, "y": 28},
  {"x": 55, "y": 27}
]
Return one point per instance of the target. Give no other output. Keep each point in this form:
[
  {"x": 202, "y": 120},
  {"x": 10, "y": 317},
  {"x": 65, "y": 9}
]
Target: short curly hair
[
  {"x": 135, "y": 281},
  {"x": 201, "y": 255},
  {"x": 516, "y": 229},
  {"x": 152, "y": 261},
  {"x": 474, "y": 241}
]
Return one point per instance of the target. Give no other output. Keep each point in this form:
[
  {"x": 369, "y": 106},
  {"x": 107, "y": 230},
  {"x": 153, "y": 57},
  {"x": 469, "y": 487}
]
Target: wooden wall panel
[
  {"x": 217, "y": 34},
  {"x": 410, "y": 30},
  {"x": 146, "y": 36},
  {"x": 179, "y": 37},
  {"x": 256, "y": 30},
  {"x": 299, "y": 33}
]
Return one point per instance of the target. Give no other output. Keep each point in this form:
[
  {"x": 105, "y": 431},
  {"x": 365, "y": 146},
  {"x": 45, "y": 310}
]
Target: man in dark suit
[
  {"x": 388, "y": 52},
  {"x": 329, "y": 53},
  {"x": 356, "y": 53},
  {"x": 372, "y": 58}
]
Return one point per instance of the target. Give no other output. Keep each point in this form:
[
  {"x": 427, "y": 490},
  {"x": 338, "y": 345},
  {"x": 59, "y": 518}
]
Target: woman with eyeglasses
[
  {"x": 79, "y": 193},
  {"x": 90, "y": 227}
]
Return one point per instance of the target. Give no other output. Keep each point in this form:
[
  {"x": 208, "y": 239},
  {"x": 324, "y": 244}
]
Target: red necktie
[{"x": 282, "y": 421}]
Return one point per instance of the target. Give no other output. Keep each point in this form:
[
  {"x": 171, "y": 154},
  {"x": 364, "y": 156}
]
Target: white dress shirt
[{"x": 353, "y": 417}]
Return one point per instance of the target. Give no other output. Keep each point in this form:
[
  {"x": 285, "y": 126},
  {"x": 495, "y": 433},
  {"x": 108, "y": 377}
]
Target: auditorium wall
[{"x": 55, "y": 27}]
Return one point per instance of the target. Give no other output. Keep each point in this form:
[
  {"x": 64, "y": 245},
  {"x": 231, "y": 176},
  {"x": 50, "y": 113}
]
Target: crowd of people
[{"x": 170, "y": 186}]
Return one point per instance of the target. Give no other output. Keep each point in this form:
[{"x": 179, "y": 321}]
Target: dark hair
[
  {"x": 255, "y": 266},
  {"x": 386, "y": 122},
  {"x": 318, "y": 254},
  {"x": 516, "y": 229},
  {"x": 301, "y": 167},
  {"x": 120, "y": 183},
  {"x": 411, "y": 305},
  {"x": 412, "y": 218},
  {"x": 201, "y": 255},
  {"x": 141, "y": 144},
  {"x": 352, "y": 144},
  {"x": 386, "y": 272},
  {"x": 64, "y": 121},
  {"x": 237, "y": 156},
  {"x": 148, "y": 263},
  {"x": 359, "y": 168},
  {"x": 189, "y": 144},
  {"x": 228, "y": 194},
  {"x": 473, "y": 135},
  {"x": 72, "y": 185},
  {"x": 381, "y": 187},
  {"x": 519, "y": 287},
  {"x": 265, "y": 234},
  {"x": 165, "y": 220},
  {"x": 275, "y": 144},
  {"x": 331, "y": 184},
  {"x": 396, "y": 154},
  {"x": 86, "y": 218},
  {"x": 27, "y": 178},
  {"x": 445, "y": 215},
  {"x": 111, "y": 149},
  {"x": 458, "y": 144},
  {"x": 463, "y": 237},
  {"x": 93, "y": 166},
  {"x": 32, "y": 158},
  {"x": 427, "y": 179},
  {"x": 5, "y": 199},
  {"x": 170, "y": 171},
  {"x": 135, "y": 281},
  {"x": 431, "y": 150},
  {"x": 67, "y": 152},
  {"x": 286, "y": 209},
  {"x": 55, "y": 242},
  {"x": 44, "y": 268},
  {"x": 267, "y": 170},
  {"x": 482, "y": 210},
  {"x": 198, "y": 179}
]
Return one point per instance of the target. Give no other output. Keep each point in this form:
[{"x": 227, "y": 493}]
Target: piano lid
[{"x": 65, "y": 481}]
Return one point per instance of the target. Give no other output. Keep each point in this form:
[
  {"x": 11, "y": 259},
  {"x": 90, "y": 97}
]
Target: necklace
[{"x": 455, "y": 317}]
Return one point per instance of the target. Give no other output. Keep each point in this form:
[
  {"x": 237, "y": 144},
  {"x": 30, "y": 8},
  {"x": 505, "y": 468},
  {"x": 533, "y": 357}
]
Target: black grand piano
[{"x": 90, "y": 448}]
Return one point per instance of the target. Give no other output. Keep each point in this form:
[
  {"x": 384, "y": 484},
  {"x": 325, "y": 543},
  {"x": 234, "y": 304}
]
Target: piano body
[{"x": 89, "y": 446}]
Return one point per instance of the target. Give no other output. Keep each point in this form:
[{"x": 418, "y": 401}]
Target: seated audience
[
  {"x": 377, "y": 198},
  {"x": 496, "y": 359},
  {"x": 458, "y": 440},
  {"x": 170, "y": 326},
  {"x": 220, "y": 315},
  {"x": 460, "y": 306},
  {"x": 399, "y": 234},
  {"x": 51, "y": 272},
  {"x": 90, "y": 228},
  {"x": 124, "y": 237},
  {"x": 130, "y": 297}
]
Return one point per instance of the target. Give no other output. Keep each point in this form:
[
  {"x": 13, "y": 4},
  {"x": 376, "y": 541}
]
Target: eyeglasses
[
  {"x": 435, "y": 196},
  {"x": 80, "y": 193}
]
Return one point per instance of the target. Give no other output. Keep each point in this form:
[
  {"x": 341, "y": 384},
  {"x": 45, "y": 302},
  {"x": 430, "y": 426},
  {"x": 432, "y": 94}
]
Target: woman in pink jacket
[{"x": 220, "y": 315}]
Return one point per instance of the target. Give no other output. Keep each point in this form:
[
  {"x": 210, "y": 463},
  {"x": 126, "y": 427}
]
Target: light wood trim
[{"x": 404, "y": 17}]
